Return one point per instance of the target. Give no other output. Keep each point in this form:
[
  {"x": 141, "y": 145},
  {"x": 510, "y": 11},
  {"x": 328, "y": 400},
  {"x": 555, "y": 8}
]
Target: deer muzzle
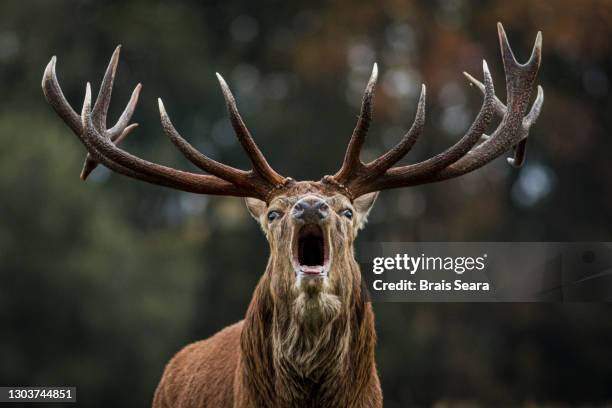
[{"x": 310, "y": 210}]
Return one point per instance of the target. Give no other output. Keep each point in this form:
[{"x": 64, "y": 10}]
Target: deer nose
[{"x": 310, "y": 209}]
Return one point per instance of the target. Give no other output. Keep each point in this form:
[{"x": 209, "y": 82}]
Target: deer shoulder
[{"x": 202, "y": 373}]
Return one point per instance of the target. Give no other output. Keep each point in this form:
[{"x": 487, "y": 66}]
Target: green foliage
[{"x": 78, "y": 279}]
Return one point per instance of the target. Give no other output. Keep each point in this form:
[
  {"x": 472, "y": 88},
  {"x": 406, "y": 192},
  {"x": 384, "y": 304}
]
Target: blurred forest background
[{"x": 101, "y": 282}]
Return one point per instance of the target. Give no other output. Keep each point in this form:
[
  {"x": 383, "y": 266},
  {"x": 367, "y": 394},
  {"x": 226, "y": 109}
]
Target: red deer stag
[{"x": 308, "y": 336}]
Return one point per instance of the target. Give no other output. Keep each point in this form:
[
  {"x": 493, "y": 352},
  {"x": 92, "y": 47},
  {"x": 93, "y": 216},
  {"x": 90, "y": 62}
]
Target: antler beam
[
  {"x": 102, "y": 143},
  {"x": 473, "y": 150}
]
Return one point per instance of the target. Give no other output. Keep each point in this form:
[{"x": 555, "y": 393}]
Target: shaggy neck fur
[{"x": 308, "y": 349}]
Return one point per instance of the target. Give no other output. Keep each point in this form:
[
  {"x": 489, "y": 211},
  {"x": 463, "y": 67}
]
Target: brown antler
[
  {"x": 101, "y": 143},
  {"x": 358, "y": 178}
]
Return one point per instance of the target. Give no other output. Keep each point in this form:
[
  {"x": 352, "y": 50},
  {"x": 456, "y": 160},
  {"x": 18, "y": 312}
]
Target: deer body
[
  {"x": 221, "y": 372},
  {"x": 308, "y": 337}
]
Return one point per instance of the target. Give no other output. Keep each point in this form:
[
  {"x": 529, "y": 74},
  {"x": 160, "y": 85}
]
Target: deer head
[
  {"x": 311, "y": 228},
  {"x": 311, "y": 225}
]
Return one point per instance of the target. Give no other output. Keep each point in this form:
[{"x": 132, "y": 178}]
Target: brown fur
[{"x": 303, "y": 343}]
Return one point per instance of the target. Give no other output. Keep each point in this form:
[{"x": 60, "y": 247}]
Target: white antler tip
[
  {"x": 86, "y": 111},
  {"x": 220, "y": 79},
  {"x": 372, "y": 81},
  {"x": 131, "y": 127},
  {"x": 49, "y": 71},
  {"x": 225, "y": 89},
  {"x": 473, "y": 81},
  {"x": 224, "y": 85},
  {"x": 162, "y": 111},
  {"x": 422, "y": 97},
  {"x": 115, "y": 57},
  {"x": 538, "y": 41},
  {"x": 50, "y": 68}
]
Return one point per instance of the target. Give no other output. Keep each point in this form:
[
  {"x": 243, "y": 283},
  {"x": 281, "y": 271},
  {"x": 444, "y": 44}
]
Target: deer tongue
[{"x": 312, "y": 270}]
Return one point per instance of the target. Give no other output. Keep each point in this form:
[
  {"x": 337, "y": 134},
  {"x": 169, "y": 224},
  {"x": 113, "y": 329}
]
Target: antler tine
[
  {"x": 115, "y": 132},
  {"x": 384, "y": 162},
  {"x": 534, "y": 113},
  {"x": 202, "y": 161},
  {"x": 100, "y": 109},
  {"x": 260, "y": 165},
  {"x": 352, "y": 163},
  {"x": 55, "y": 97}
]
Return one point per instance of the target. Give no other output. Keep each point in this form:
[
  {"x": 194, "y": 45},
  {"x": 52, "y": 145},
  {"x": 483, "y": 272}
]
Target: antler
[
  {"x": 101, "y": 143},
  {"x": 473, "y": 150}
]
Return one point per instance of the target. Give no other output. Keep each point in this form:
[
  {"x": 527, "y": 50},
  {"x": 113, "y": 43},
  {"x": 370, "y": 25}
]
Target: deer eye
[
  {"x": 348, "y": 213},
  {"x": 272, "y": 215}
]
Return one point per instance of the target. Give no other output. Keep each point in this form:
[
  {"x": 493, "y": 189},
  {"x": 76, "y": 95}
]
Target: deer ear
[
  {"x": 255, "y": 206},
  {"x": 363, "y": 205}
]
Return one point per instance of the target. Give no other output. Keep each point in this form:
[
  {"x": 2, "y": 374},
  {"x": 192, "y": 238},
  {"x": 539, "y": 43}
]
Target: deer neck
[{"x": 314, "y": 351}]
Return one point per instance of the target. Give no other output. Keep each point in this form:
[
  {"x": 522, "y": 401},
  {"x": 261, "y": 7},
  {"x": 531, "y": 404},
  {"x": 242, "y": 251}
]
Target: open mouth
[{"x": 310, "y": 251}]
